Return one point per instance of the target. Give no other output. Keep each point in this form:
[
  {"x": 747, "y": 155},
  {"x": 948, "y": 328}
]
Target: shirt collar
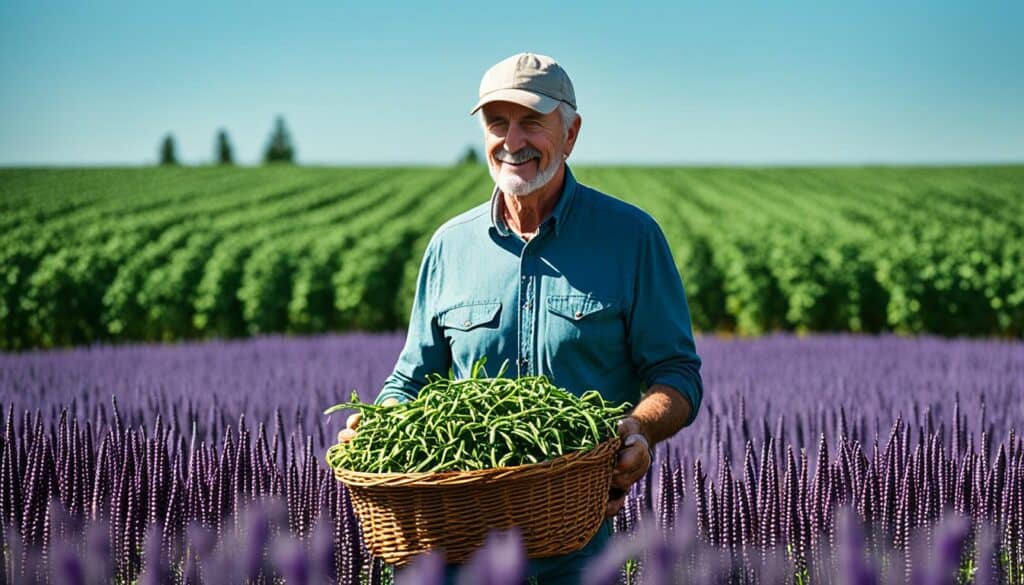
[{"x": 557, "y": 216}]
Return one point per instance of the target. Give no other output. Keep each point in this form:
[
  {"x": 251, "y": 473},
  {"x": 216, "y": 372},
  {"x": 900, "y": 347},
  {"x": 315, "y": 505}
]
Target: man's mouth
[
  {"x": 518, "y": 164},
  {"x": 519, "y": 158}
]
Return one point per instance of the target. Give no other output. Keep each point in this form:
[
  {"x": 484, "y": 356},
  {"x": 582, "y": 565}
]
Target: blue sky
[{"x": 380, "y": 82}]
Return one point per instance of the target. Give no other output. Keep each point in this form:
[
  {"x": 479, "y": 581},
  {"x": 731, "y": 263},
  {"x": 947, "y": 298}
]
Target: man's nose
[{"x": 514, "y": 138}]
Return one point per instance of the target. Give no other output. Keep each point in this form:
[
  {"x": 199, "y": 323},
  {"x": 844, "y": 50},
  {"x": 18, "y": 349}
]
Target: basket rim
[{"x": 489, "y": 475}]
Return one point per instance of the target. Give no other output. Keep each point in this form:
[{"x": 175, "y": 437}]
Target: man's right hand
[{"x": 349, "y": 432}]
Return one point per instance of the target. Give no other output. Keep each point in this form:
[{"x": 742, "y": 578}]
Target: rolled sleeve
[
  {"x": 660, "y": 335},
  {"x": 426, "y": 351}
]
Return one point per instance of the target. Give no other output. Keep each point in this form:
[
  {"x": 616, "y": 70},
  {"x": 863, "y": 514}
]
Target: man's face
[{"x": 524, "y": 148}]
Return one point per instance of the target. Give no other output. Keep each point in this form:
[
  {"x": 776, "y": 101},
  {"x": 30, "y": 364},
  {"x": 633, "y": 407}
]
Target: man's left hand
[{"x": 632, "y": 462}]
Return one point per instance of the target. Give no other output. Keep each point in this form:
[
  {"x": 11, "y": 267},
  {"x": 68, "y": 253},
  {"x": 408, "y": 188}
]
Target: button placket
[
  {"x": 526, "y": 312},
  {"x": 526, "y": 328}
]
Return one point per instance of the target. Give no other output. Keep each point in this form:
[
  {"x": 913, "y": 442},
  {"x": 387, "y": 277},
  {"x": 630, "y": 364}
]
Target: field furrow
[{"x": 163, "y": 254}]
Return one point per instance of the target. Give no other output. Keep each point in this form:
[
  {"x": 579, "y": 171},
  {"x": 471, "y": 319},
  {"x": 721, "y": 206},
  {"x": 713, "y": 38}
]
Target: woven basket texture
[{"x": 558, "y": 505}]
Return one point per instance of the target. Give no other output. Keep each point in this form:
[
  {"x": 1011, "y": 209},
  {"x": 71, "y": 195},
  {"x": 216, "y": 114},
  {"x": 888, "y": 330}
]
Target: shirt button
[
  {"x": 524, "y": 278},
  {"x": 526, "y": 306},
  {"x": 579, "y": 314},
  {"x": 467, "y": 323}
]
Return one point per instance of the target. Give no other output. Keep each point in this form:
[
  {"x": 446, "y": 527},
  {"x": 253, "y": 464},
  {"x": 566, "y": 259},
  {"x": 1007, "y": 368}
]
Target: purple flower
[
  {"x": 605, "y": 568},
  {"x": 951, "y": 538},
  {"x": 501, "y": 561},
  {"x": 156, "y": 570},
  {"x": 291, "y": 558},
  {"x": 853, "y": 566},
  {"x": 426, "y": 569},
  {"x": 67, "y": 567}
]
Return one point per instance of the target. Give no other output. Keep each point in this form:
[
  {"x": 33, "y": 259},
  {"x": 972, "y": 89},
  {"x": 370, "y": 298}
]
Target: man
[{"x": 557, "y": 278}]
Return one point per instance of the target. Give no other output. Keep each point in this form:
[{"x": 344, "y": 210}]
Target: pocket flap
[
  {"x": 575, "y": 306},
  {"x": 466, "y": 317}
]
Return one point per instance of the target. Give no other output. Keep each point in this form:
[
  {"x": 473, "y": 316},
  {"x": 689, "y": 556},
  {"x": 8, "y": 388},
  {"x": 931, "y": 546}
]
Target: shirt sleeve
[
  {"x": 660, "y": 336},
  {"x": 426, "y": 351}
]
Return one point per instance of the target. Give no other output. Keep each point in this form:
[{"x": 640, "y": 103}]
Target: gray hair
[{"x": 568, "y": 114}]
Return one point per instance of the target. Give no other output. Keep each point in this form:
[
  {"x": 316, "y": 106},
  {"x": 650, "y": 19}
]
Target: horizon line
[{"x": 580, "y": 164}]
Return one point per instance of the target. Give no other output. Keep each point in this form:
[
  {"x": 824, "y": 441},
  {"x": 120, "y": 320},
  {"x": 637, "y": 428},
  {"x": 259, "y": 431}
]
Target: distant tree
[
  {"x": 224, "y": 155},
  {"x": 470, "y": 157},
  {"x": 167, "y": 156},
  {"x": 280, "y": 148}
]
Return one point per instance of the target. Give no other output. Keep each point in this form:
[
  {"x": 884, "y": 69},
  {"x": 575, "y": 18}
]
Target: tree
[
  {"x": 167, "y": 156},
  {"x": 470, "y": 157},
  {"x": 224, "y": 155},
  {"x": 280, "y": 148}
]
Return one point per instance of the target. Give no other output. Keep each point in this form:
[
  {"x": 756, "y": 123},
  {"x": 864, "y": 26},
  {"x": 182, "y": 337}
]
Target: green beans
[{"x": 476, "y": 423}]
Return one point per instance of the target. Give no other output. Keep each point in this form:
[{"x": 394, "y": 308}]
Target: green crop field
[{"x": 169, "y": 253}]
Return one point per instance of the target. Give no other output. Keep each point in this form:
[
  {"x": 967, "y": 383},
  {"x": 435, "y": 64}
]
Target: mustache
[{"x": 522, "y": 155}]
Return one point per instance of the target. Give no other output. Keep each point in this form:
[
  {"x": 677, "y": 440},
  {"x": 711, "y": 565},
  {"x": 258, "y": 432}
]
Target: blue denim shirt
[{"x": 592, "y": 301}]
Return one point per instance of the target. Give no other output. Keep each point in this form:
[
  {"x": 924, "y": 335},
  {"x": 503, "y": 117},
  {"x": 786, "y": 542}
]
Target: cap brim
[{"x": 535, "y": 101}]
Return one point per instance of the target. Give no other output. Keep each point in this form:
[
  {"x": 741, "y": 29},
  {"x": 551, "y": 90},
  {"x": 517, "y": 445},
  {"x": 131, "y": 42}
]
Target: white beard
[{"x": 514, "y": 185}]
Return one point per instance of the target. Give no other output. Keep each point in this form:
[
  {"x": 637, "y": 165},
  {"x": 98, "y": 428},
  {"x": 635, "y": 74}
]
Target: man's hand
[
  {"x": 632, "y": 462},
  {"x": 661, "y": 413},
  {"x": 349, "y": 432}
]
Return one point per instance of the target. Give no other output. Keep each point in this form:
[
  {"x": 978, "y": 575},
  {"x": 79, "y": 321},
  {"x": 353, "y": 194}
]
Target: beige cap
[{"x": 528, "y": 79}]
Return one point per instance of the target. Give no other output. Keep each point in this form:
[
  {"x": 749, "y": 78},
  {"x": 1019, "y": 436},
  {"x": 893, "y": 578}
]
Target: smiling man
[{"x": 557, "y": 278}]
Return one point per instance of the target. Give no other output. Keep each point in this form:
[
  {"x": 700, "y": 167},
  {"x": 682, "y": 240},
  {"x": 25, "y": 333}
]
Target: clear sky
[{"x": 94, "y": 82}]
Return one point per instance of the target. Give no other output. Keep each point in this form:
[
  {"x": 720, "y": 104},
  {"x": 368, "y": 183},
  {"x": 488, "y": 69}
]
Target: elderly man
[{"x": 557, "y": 278}]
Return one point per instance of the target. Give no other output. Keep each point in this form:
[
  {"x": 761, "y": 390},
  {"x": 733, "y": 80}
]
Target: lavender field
[{"x": 186, "y": 463}]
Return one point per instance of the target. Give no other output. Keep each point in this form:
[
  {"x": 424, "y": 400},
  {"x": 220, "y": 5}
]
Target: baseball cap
[{"x": 528, "y": 79}]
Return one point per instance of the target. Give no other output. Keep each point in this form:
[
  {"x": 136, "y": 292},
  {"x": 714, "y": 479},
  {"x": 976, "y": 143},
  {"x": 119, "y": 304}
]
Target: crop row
[
  {"x": 912, "y": 250},
  {"x": 241, "y": 252},
  {"x": 163, "y": 254}
]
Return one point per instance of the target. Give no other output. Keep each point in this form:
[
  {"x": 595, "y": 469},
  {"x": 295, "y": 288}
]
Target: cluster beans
[{"x": 473, "y": 424}]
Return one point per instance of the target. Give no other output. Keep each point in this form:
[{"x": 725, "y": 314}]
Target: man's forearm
[{"x": 661, "y": 413}]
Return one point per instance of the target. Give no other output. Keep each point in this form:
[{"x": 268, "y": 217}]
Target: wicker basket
[{"x": 558, "y": 505}]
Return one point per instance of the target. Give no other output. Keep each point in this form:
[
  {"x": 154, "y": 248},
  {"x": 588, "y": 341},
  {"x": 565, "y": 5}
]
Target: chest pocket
[
  {"x": 471, "y": 330},
  {"x": 470, "y": 316},
  {"x": 582, "y": 319},
  {"x": 576, "y": 307}
]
